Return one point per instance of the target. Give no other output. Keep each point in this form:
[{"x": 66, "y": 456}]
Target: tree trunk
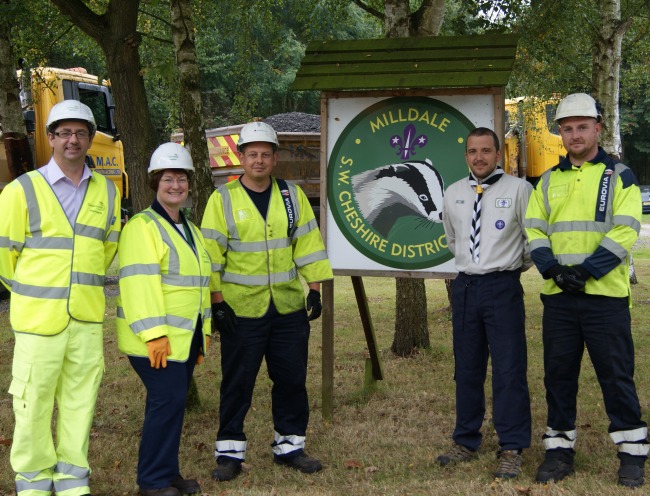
[
  {"x": 605, "y": 75},
  {"x": 191, "y": 106},
  {"x": 396, "y": 18},
  {"x": 606, "y": 66},
  {"x": 411, "y": 314},
  {"x": 14, "y": 135},
  {"x": 411, "y": 323},
  {"x": 115, "y": 31},
  {"x": 427, "y": 20},
  {"x": 193, "y": 125},
  {"x": 11, "y": 116}
]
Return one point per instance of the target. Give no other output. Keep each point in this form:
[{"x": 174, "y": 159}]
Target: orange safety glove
[
  {"x": 158, "y": 350},
  {"x": 199, "y": 358}
]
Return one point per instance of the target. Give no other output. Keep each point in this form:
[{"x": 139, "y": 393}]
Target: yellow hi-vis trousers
[{"x": 68, "y": 368}]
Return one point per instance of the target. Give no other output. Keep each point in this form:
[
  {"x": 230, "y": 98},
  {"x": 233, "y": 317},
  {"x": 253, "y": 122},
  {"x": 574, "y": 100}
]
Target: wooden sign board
[{"x": 388, "y": 161}]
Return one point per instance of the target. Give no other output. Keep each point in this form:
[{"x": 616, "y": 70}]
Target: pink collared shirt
[{"x": 70, "y": 196}]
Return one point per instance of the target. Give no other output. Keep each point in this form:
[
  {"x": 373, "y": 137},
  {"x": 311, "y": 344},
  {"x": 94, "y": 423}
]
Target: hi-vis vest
[
  {"x": 255, "y": 260},
  {"x": 574, "y": 211},
  {"x": 55, "y": 270},
  {"x": 164, "y": 286}
]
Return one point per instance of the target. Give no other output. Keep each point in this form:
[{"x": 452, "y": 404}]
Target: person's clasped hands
[{"x": 569, "y": 278}]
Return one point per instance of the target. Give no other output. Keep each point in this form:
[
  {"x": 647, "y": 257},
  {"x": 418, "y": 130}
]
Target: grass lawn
[{"x": 382, "y": 443}]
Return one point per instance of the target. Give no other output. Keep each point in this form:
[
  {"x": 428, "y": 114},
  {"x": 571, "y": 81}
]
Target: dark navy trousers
[
  {"x": 602, "y": 323},
  {"x": 283, "y": 341},
  {"x": 163, "y": 415},
  {"x": 488, "y": 319}
]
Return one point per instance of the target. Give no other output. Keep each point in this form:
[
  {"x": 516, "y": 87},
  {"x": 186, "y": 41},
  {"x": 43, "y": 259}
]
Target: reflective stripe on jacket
[
  {"x": 164, "y": 286},
  {"x": 55, "y": 270},
  {"x": 588, "y": 215},
  {"x": 255, "y": 260}
]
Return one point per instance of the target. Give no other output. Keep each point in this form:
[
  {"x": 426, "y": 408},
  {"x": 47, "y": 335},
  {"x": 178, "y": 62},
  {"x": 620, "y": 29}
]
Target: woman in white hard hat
[{"x": 163, "y": 315}]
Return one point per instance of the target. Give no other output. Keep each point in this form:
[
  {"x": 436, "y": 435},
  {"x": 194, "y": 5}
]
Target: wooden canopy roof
[{"x": 407, "y": 63}]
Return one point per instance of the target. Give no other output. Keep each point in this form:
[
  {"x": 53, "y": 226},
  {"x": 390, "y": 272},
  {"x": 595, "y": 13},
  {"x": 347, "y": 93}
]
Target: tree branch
[
  {"x": 369, "y": 9},
  {"x": 84, "y": 18},
  {"x": 156, "y": 38},
  {"x": 157, "y": 17}
]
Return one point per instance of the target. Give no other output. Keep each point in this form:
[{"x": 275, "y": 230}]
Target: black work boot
[
  {"x": 227, "y": 469},
  {"x": 186, "y": 486},
  {"x": 630, "y": 473},
  {"x": 302, "y": 462},
  {"x": 556, "y": 466}
]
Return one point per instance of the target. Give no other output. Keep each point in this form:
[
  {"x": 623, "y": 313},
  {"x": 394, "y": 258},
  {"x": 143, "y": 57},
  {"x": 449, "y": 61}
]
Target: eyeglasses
[
  {"x": 168, "y": 181},
  {"x": 81, "y": 135}
]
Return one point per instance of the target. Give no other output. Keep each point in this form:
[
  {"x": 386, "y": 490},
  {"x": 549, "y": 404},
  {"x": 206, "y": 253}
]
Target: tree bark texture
[
  {"x": 606, "y": 65},
  {"x": 411, "y": 324},
  {"x": 396, "y": 18},
  {"x": 191, "y": 105},
  {"x": 427, "y": 20},
  {"x": 14, "y": 135},
  {"x": 115, "y": 31},
  {"x": 411, "y": 327}
]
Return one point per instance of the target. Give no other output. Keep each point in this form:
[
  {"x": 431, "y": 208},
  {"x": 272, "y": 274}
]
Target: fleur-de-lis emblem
[{"x": 406, "y": 145}]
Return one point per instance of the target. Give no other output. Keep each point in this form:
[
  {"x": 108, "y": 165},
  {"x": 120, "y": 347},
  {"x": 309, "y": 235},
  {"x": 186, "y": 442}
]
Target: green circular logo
[{"x": 386, "y": 179}]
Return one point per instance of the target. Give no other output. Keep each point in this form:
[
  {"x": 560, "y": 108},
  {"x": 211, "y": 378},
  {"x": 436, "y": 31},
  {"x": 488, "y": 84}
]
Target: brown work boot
[
  {"x": 509, "y": 465},
  {"x": 457, "y": 453}
]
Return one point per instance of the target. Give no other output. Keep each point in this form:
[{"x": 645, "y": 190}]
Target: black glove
[
  {"x": 566, "y": 278},
  {"x": 224, "y": 319},
  {"x": 580, "y": 272},
  {"x": 314, "y": 304}
]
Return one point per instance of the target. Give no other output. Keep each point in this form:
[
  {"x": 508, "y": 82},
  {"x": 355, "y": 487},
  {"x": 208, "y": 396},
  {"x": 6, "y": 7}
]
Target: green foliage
[
  {"x": 42, "y": 36},
  {"x": 480, "y": 16},
  {"x": 555, "y": 56},
  {"x": 250, "y": 52}
]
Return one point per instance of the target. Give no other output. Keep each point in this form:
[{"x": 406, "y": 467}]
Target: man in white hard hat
[
  {"x": 582, "y": 220},
  {"x": 58, "y": 235},
  {"x": 261, "y": 233}
]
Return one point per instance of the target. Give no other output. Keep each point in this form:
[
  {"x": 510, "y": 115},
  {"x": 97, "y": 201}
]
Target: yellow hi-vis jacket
[
  {"x": 164, "y": 286},
  {"x": 589, "y": 215},
  {"x": 56, "y": 271},
  {"x": 255, "y": 260}
]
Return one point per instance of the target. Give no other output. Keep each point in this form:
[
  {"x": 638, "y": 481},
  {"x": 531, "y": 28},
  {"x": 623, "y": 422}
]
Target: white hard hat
[
  {"x": 71, "y": 110},
  {"x": 257, "y": 131},
  {"x": 170, "y": 156},
  {"x": 577, "y": 105}
]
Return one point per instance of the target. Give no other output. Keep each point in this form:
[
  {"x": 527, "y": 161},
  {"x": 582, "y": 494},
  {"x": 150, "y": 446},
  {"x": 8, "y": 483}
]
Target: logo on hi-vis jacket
[{"x": 387, "y": 175}]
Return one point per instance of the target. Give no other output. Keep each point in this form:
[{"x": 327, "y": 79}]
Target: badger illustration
[{"x": 392, "y": 191}]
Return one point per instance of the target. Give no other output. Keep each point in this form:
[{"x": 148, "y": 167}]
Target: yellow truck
[
  {"x": 48, "y": 86},
  {"x": 532, "y": 141}
]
